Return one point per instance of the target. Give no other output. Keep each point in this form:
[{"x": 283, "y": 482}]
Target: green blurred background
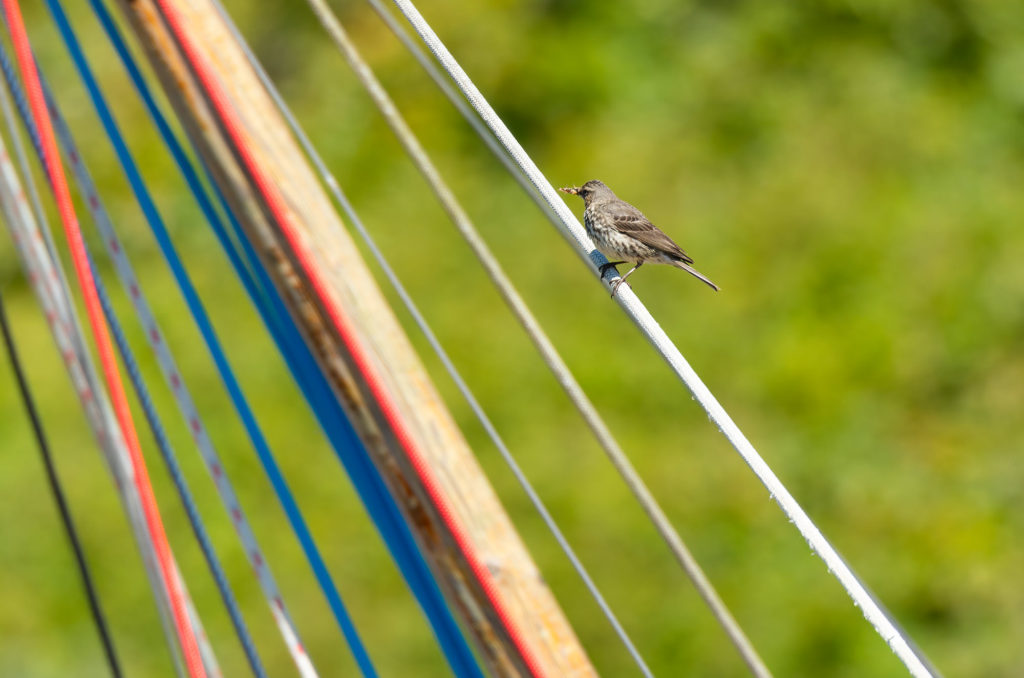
[{"x": 849, "y": 172}]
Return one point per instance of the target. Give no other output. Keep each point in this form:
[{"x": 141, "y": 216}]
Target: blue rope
[
  {"x": 167, "y": 452},
  {"x": 152, "y": 417},
  {"x": 332, "y": 418},
  {"x": 372, "y": 490},
  {"x": 209, "y": 337}
]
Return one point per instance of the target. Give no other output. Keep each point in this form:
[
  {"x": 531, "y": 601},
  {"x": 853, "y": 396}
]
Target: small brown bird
[{"x": 621, "y": 231}]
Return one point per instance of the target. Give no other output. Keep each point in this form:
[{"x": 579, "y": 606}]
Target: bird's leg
[
  {"x": 615, "y": 287},
  {"x": 609, "y": 264}
]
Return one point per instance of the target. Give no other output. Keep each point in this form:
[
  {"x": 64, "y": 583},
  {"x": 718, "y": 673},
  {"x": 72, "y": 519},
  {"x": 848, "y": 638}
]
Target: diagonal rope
[
  {"x": 457, "y": 100},
  {"x": 185, "y": 629},
  {"x": 312, "y": 382},
  {"x": 634, "y": 308},
  {"x": 156, "y": 339},
  {"x": 378, "y": 391},
  {"x": 180, "y": 484},
  {"x": 537, "y": 335},
  {"x": 22, "y": 157},
  {"x": 58, "y": 492},
  {"x": 67, "y": 307},
  {"x": 127, "y": 356},
  {"x": 68, "y": 337},
  {"x": 199, "y": 314},
  {"x": 332, "y": 184}
]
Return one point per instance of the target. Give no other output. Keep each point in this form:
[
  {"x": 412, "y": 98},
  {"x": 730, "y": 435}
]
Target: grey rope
[
  {"x": 456, "y": 99},
  {"x": 339, "y": 195},
  {"x": 639, "y": 314},
  {"x": 33, "y": 193},
  {"x": 547, "y": 350}
]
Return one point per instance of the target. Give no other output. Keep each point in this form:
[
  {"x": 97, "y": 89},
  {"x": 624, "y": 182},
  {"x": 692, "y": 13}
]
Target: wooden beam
[{"x": 532, "y": 607}]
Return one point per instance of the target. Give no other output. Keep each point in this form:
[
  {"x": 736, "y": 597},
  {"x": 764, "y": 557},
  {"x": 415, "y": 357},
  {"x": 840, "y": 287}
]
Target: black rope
[{"x": 58, "y": 494}]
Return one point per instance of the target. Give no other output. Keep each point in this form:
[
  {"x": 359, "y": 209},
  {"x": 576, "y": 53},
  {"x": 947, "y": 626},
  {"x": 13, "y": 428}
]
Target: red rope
[
  {"x": 55, "y": 170},
  {"x": 275, "y": 202}
]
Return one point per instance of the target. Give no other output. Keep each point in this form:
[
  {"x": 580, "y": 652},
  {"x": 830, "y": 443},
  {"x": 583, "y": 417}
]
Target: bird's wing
[{"x": 631, "y": 221}]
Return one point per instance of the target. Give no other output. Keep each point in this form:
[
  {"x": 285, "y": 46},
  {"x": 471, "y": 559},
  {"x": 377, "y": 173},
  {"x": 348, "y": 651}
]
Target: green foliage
[{"x": 848, "y": 171}]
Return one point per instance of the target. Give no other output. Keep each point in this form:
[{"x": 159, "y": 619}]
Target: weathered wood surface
[{"x": 353, "y": 289}]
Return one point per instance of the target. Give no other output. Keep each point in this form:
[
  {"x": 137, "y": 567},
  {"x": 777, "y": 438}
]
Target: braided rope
[
  {"x": 485, "y": 421},
  {"x": 95, "y": 205},
  {"x": 45, "y": 282},
  {"x": 156, "y": 339},
  {"x": 639, "y": 314},
  {"x": 175, "y": 591},
  {"x": 543, "y": 344},
  {"x": 342, "y": 324},
  {"x": 202, "y": 320}
]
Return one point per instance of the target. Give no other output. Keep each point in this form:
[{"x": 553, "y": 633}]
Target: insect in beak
[{"x": 571, "y": 190}]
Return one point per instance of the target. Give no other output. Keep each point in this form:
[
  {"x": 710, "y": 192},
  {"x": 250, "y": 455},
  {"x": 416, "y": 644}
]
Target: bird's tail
[{"x": 695, "y": 273}]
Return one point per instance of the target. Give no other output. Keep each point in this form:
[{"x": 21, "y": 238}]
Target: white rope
[
  {"x": 329, "y": 179},
  {"x": 539, "y": 338},
  {"x": 628, "y": 300},
  {"x": 157, "y": 341},
  {"x": 37, "y": 207},
  {"x": 456, "y": 99},
  {"x": 41, "y": 272}
]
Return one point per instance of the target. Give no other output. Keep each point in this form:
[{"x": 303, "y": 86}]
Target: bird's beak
[{"x": 571, "y": 190}]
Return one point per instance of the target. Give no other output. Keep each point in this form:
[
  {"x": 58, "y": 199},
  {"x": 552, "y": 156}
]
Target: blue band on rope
[
  {"x": 317, "y": 391},
  {"x": 209, "y": 337}
]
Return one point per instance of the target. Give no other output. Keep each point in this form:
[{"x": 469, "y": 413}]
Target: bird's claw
[
  {"x": 604, "y": 269},
  {"x": 615, "y": 286}
]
